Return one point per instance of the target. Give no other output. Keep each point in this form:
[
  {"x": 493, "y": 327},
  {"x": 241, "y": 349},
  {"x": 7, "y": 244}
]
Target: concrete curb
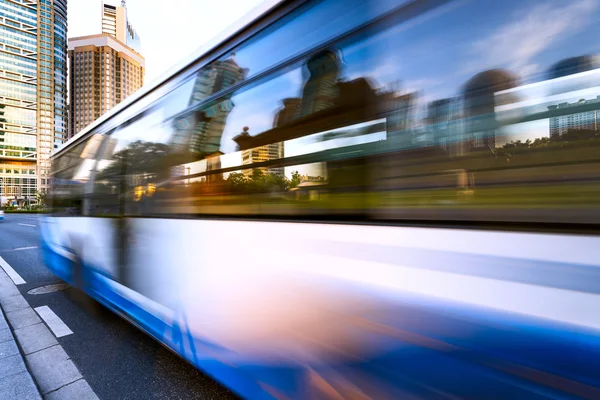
[{"x": 50, "y": 367}]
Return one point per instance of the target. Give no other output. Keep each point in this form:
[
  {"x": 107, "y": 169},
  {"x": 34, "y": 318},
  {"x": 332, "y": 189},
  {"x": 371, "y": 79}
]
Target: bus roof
[{"x": 240, "y": 25}]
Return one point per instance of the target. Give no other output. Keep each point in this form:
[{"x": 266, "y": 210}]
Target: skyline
[{"x": 162, "y": 48}]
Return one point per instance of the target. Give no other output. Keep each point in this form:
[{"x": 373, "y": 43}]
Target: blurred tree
[
  {"x": 571, "y": 136},
  {"x": 40, "y": 197},
  {"x": 296, "y": 179},
  {"x": 139, "y": 158},
  {"x": 258, "y": 182}
]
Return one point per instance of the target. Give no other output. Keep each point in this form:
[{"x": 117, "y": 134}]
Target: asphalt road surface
[{"x": 118, "y": 360}]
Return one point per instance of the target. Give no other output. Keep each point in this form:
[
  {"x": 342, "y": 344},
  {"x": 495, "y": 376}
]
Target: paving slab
[
  {"x": 11, "y": 365},
  {"x": 8, "y": 349},
  {"x": 52, "y": 368},
  {"x": 15, "y": 380},
  {"x": 21, "y": 318},
  {"x": 5, "y": 335},
  {"x": 7, "y": 288},
  {"x": 35, "y": 338},
  {"x": 13, "y": 303},
  {"x": 56, "y": 375},
  {"x": 79, "y": 390},
  {"x": 19, "y": 386}
]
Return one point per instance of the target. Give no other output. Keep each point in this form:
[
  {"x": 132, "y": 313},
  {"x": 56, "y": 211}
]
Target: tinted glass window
[
  {"x": 133, "y": 160},
  {"x": 306, "y": 28},
  {"x": 415, "y": 119},
  {"x": 476, "y": 110},
  {"x": 71, "y": 173},
  {"x": 300, "y": 31}
]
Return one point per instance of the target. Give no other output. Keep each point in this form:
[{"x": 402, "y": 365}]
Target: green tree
[
  {"x": 258, "y": 182},
  {"x": 566, "y": 139},
  {"x": 296, "y": 179},
  {"x": 40, "y": 197},
  {"x": 238, "y": 181}
]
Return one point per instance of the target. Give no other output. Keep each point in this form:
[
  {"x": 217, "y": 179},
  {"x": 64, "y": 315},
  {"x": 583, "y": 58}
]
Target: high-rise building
[
  {"x": 200, "y": 132},
  {"x": 116, "y": 24},
  {"x": 479, "y": 101},
  {"x": 33, "y": 91},
  {"x": 273, "y": 151},
  {"x": 586, "y": 120},
  {"x": 321, "y": 90},
  {"x": 103, "y": 73}
]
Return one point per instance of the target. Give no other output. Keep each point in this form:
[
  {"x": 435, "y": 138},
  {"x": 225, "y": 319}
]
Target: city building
[
  {"x": 264, "y": 153},
  {"x": 567, "y": 100},
  {"x": 200, "y": 132},
  {"x": 272, "y": 151},
  {"x": 586, "y": 120},
  {"x": 33, "y": 91},
  {"x": 103, "y": 72},
  {"x": 115, "y": 23},
  {"x": 479, "y": 97},
  {"x": 321, "y": 90}
]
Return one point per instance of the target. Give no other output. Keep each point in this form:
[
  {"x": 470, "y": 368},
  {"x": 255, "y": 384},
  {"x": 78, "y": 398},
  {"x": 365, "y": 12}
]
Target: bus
[{"x": 356, "y": 199}]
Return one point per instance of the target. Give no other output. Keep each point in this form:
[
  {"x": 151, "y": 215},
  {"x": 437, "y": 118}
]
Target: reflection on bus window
[{"x": 412, "y": 116}]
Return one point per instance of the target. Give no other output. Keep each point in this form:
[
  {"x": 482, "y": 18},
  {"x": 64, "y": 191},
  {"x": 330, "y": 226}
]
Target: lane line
[
  {"x": 16, "y": 278},
  {"x": 25, "y": 248},
  {"x": 33, "y": 226},
  {"x": 56, "y": 325}
]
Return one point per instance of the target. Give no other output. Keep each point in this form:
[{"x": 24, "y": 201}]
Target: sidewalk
[
  {"x": 32, "y": 363},
  {"x": 15, "y": 380}
]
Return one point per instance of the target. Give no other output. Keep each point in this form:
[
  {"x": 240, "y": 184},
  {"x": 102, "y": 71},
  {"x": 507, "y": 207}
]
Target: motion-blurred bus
[{"x": 356, "y": 199}]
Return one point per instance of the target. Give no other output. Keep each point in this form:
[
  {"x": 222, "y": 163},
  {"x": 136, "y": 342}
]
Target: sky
[{"x": 169, "y": 30}]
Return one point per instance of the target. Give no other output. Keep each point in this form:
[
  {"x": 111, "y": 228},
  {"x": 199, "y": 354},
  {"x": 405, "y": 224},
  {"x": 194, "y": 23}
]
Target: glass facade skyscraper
[{"x": 33, "y": 91}]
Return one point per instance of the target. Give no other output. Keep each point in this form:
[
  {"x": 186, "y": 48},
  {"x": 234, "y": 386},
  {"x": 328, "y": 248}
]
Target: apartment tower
[{"x": 104, "y": 71}]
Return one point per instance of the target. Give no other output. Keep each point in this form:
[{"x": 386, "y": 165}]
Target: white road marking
[
  {"x": 25, "y": 248},
  {"x": 16, "y": 278},
  {"x": 56, "y": 325},
  {"x": 33, "y": 226}
]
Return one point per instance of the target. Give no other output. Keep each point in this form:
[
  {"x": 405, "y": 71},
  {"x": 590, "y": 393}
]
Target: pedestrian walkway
[
  {"x": 15, "y": 380},
  {"x": 32, "y": 363}
]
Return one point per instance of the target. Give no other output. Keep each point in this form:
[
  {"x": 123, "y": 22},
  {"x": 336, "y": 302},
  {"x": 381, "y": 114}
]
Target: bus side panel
[
  {"x": 297, "y": 305},
  {"x": 281, "y": 309}
]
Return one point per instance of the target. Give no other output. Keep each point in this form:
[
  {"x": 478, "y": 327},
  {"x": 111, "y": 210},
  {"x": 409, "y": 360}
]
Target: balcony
[{"x": 9, "y": 154}]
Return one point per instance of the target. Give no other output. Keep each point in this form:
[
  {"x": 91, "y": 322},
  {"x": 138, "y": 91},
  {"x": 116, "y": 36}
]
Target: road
[{"x": 118, "y": 360}]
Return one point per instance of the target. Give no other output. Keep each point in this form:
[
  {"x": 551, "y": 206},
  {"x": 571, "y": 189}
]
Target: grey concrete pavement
[
  {"x": 49, "y": 366},
  {"x": 15, "y": 381}
]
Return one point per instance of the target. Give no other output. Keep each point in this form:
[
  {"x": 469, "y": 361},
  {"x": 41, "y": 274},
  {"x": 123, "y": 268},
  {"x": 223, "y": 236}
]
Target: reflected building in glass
[
  {"x": 200, "y": 132},
  {"x": 321, "y": 90},
  {"x": 567, "y": 99},
  {"x": 479, "y": 96},
  {"x": 584, "y": 120},
  {"x": 587, "y": 119},
  {"x": 273, "y": 151},
  {"x": 33, "y": 91},
  {"x": 446, "y": 124}
]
